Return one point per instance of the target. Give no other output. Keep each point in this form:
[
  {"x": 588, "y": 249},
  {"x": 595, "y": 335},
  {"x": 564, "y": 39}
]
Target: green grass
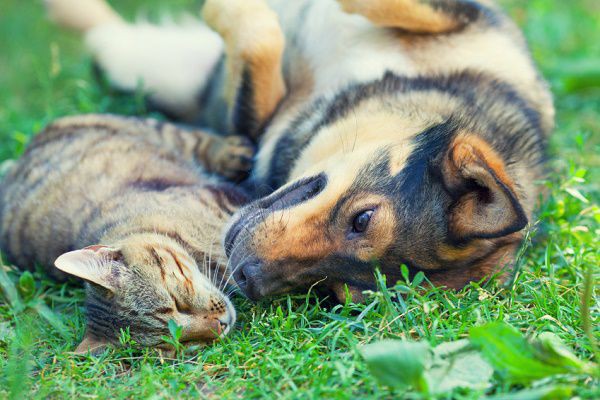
[{"x": 299, "y": 347}]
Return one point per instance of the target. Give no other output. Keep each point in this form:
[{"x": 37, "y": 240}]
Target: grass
[{"x": 300, "y": 347}]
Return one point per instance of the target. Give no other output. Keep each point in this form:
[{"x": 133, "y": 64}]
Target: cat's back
[{"x": 69, "y": 170}]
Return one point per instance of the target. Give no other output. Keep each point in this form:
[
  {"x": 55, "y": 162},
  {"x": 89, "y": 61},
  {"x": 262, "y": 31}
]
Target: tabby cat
[{"x": 125, "y": 205}]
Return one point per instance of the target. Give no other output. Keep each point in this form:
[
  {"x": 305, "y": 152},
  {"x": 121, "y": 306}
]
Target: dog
[{"x": 389, "y": 132}]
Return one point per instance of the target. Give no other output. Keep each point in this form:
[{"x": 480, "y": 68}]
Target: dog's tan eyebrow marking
[{"x": 333, "y": 215}]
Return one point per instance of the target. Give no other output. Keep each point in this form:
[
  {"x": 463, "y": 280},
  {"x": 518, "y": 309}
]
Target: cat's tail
[{"x": 81, "y": 15}]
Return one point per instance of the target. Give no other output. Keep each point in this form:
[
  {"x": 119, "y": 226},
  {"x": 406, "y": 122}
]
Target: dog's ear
[
  {"x": 99, "y": 264},
  {"x": 485, "y": 204}
]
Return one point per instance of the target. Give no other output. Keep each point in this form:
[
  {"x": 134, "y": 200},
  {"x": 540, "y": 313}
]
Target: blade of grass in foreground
[{"x": 19, "y": 362}]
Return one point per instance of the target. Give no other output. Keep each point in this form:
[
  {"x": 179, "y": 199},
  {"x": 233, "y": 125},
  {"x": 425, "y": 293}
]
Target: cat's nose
[{"x": 225, "y": 323}]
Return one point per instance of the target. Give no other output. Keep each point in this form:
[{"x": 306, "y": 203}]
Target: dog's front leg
[
  {"x": 254, "y": 45},
  {"x": 419, "y": 16}
]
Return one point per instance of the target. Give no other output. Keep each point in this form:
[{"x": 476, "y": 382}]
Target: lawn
[{"x": 301, "y": 347}]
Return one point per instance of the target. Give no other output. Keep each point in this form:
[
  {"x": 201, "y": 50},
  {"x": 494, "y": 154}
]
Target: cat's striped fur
[{"x": 129, "y": 204}]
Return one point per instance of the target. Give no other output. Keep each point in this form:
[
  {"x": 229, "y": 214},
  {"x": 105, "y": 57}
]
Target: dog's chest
[{"x": 338, "y": 48}]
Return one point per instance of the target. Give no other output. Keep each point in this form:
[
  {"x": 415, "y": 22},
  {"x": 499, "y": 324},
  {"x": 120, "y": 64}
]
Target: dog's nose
[{"x": 247, "y": 278}]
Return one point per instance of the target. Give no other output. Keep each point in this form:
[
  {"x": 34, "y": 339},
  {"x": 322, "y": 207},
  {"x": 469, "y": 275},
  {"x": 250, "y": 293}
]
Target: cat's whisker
[
  {"x": 211, "y": 273},
  {"x": 228, "y": 265}
]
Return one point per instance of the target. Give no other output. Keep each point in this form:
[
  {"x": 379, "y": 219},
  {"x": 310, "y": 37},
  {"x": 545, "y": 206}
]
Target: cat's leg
[
  {"x": 228, "y": 156},
  {"x": 171, "y": 62},
  {"x": 254, "y": 44},
  {"x": 419, "y": 16}
]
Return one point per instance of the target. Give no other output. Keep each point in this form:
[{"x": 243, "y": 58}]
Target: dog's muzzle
[{"x": 246, "y": 266}]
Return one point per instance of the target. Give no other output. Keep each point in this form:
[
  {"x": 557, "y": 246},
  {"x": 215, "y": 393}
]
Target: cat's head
[{"x": 140, "y": 284}]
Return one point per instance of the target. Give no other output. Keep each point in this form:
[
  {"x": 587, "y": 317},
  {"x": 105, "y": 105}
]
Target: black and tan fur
[
  {"x": 123, "y": 204},
  {"x": 426, "y": 119}
]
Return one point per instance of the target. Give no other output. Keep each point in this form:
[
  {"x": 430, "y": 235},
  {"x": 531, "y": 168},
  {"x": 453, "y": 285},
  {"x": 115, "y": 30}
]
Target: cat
[{"x": 126, "y": 204}]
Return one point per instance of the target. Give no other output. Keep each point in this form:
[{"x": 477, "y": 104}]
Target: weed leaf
[
  {"x": 45, "y": 312},
  {"x": 9, "y": 291},
  {"x": 26, "y": 286},
  {"x": 175, "y": 330},
  {"x": 458, "y": 364},
  {"x": 399, "y": 364},
  {"x": 518, "y": 360},
  {"x": 404, "y": 364}
]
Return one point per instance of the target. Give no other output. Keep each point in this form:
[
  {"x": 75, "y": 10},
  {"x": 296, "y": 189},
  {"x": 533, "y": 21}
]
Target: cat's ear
[
  {"x": 91, "y": 344},
  {"x": 486, "y": 205},
  {"x": 96, "y": 264}
]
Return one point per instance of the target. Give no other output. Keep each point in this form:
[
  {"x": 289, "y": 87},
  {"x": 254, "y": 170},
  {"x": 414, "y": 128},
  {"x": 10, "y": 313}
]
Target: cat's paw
[{"x": 232, "y": 157}]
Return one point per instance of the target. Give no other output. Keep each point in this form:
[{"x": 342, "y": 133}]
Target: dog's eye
[{"x": 361, "y": 221}]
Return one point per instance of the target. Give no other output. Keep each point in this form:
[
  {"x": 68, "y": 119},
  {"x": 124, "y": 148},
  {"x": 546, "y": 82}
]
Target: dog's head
[{"x": 440, "y": 199}]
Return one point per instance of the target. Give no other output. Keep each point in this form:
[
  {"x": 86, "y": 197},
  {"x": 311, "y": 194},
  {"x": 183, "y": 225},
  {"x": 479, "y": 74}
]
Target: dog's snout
[
  {"x": 248, "y": 271},
  {"x": 296, "y": 193},
  {"x": 240, "y": 278},
  {"x": 247, "y": 278}
]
